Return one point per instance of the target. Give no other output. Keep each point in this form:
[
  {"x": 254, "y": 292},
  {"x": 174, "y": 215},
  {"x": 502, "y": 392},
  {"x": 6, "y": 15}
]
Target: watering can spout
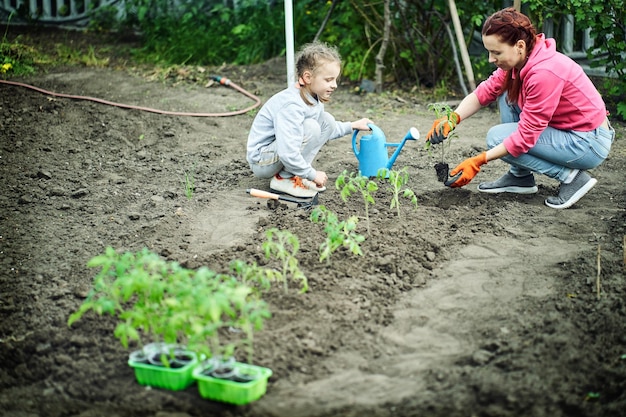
[
  {"x": 412, "y": 134},
  {"x": 373, "y": 155}
]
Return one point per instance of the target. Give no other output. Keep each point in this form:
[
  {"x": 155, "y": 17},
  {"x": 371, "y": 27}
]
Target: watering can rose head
[{"x": 372, "y": 152}]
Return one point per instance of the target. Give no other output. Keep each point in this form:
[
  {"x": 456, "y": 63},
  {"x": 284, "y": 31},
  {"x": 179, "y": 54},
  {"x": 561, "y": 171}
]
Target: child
[{"x": 292, "y": 126}]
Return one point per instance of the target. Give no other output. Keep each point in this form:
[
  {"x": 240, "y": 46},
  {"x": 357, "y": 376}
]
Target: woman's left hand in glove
[{"x": 467, "y": 170}]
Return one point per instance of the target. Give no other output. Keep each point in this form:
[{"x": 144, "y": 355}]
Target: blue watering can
[{"x": 373, "y": 155}]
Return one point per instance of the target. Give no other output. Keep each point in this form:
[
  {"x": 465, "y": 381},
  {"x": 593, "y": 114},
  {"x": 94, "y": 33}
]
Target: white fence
[
  {"x": 573, "y": 43},
  {"x": 66, "y": 13}
]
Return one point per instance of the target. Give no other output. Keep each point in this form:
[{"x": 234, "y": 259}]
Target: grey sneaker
[
  {"x": 570, "y": 193},
  {"x": 509, "y": 183}
]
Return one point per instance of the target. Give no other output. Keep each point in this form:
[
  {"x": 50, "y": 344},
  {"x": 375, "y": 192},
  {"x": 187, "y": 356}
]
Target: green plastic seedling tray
[
  {"x": 174, "y": 379},
  {"x": 227, "y": 391}
]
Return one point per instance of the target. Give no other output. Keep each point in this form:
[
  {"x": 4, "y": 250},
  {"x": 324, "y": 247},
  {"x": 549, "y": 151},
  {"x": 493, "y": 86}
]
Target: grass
[
  {"x": 29, "y": 50},
  {"x": 16, "y": 58}
]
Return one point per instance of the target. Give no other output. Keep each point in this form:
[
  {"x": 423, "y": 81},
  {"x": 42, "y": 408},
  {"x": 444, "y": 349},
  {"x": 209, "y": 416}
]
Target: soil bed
[{"x": 468, "y": 305}]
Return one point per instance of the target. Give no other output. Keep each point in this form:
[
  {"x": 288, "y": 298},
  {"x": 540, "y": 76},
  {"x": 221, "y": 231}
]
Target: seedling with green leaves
[
  {"x": 159, "y": 301},
  {"x": 398, "y": 181},
  {"x": 338, "y": 233},
  {"x": 257, "y": 277},
  {"x": 189, "y": 181},
  {"x": 283, "y": 246},
  {"x": 129, "y": 286},
  {"x": 351, "y": 182},
  {"x": 442, "y": 110},
  {"x": 217, "y": 302}
]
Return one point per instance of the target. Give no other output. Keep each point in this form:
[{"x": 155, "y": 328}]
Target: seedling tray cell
[
  {"x": 227, "y": 391},
  {"x": 174, "y": 379}
]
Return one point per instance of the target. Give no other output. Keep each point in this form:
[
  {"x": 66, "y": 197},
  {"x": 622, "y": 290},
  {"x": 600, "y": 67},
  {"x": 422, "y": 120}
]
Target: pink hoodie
[{"x": 555, "y": 92}]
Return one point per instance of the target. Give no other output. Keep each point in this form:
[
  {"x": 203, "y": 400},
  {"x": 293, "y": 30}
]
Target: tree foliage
[
  {"x": 606, "y": 20},
  {"x": 419, "y": 50}
]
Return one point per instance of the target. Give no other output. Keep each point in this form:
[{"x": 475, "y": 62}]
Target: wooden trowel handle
[{"x": 262, "y": 194}]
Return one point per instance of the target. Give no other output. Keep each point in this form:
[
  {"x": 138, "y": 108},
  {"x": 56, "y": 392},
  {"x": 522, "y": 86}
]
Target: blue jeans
[{"x": 557, "y": 152}]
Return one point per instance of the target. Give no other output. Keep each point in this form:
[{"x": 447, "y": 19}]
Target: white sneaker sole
[
  {"x": 577, "y": 196},
  {"x": 302, "y": 195}
]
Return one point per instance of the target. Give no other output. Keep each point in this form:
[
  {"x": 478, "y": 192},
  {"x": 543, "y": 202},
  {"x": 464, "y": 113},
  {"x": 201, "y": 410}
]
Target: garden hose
[{"x": 222, "y": 80}]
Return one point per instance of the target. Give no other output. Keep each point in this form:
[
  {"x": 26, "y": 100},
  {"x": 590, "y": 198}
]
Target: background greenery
[{"x": 419, "y": 53}]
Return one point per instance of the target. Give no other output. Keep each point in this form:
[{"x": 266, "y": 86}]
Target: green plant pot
[
  {"x": 174, "y": 379},
  {"x": 233, "y": 392}
]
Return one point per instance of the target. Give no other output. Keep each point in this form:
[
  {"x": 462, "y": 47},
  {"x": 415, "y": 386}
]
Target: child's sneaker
[
  {"x": 292, "y": 186},
  {"x": 311, "y": 185}
]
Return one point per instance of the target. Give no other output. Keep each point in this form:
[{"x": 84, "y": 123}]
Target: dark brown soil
[
  {"x": 441, "y": 169},
  {"x": 468, "y": 305}
]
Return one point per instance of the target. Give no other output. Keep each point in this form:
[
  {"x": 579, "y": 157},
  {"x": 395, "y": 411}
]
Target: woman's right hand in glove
[{"x": 442, "y": 128}]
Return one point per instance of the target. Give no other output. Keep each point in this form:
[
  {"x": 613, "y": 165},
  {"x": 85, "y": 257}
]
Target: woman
[
  {"x": 553, "y": 120},
  {"x": 292, "y": 126}
]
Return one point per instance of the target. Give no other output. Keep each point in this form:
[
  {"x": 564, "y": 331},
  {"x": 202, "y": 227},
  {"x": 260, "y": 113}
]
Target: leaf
[{"x": 125, "y": 333}]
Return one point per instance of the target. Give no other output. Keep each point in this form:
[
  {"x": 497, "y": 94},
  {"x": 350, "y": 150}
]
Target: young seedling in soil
[
  {"x": 189, "y": 182},
  {"x": 259, "y": 278},
  {"x": 352, "y": 182},
  {"x": 130, "y": 287},
  {"x": 398, "y": 180},
  {"x": 442, "y": 110},
  {"x": 283, "y": 246},
  {"x": 216, "y": 303},
  {"x": 338, "y": 233}
]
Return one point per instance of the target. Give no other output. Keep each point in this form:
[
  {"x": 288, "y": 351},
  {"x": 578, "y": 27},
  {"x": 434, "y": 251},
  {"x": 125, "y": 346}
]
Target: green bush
[
  {"x": 419, "y": 52},
  {"x": 607, "y": 20},
  {"x": 16, "y": 58}
]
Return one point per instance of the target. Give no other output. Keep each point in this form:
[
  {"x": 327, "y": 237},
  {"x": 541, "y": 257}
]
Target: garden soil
[{"x": 467, "y": 304}]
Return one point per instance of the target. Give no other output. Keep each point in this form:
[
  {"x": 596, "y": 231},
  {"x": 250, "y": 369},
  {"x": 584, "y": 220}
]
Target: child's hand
[
  {"x": 320, "y": 178},
  {"x": 362, "y": 124}
]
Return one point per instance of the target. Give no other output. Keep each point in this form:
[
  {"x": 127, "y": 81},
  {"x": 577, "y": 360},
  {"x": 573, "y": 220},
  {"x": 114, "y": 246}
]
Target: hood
[{"x": 544, "y": 49}]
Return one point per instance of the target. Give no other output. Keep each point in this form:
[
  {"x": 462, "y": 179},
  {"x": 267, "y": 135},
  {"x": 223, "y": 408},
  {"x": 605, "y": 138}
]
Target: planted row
[{"x": 189, "y": 323}]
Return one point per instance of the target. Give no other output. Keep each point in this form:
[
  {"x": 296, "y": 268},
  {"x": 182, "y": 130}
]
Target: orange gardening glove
[
  {"x": 442, "y": 128},
  {"x": 466, "y": 171}
]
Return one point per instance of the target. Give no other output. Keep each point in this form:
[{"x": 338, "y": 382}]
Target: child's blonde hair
[{"x": 310, "y": 58}]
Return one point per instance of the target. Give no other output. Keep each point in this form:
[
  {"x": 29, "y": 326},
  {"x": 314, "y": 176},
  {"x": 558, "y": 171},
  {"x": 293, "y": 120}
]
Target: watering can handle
[
  {"x": 355, "y": 134},
  {"x": 354, "y": 149}
]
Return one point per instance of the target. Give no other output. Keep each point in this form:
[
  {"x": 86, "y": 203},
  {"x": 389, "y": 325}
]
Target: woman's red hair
[{"x": 510, "y": 26}]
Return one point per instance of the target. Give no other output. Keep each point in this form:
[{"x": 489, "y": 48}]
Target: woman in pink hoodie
[{"x": 553, "y": 120}]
